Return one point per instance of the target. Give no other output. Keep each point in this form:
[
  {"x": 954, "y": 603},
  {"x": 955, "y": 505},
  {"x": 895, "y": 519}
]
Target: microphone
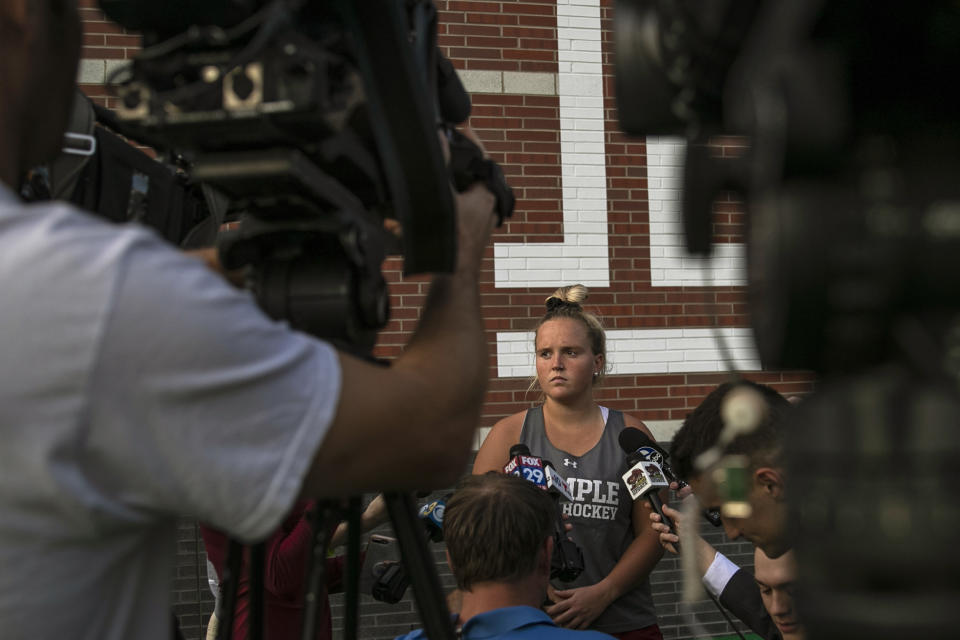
[
  {"x": 566, "y": 564},
  {"x": 633, "y": 440},
  {"x": 556, "y": 485},
  {"x": 431, "y": 516},
  {"x": 645, "y": 477},
  {"x": 529, "y": 467}
]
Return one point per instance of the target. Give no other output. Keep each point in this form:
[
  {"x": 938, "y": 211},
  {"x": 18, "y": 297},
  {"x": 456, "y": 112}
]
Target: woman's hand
[{"x": 577, "y": 608}]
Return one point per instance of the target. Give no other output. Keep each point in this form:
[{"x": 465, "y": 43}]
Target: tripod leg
[
  {"x": 316, "y": 568},
  {"x": 419, "y": 564},
  {"x": 351, "y": 585},
  {"x": 230, "y": 586},
  {"x": 258, "y": 558}
]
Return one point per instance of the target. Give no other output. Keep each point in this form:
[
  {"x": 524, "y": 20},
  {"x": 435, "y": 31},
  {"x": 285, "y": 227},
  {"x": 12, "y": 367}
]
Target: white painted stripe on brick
[
  {"x": 670, "y": 263},
  {"x": 644, "y": 351},
  {"x": 582, "y": 256},
  {"x": 98, "y": 70},
  {"x": 91, "y": 71}
]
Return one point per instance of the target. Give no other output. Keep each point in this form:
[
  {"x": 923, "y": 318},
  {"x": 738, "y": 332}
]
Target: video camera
[
  {"x": 853, "y": 212},
  {"x": 311, "y": 124}
]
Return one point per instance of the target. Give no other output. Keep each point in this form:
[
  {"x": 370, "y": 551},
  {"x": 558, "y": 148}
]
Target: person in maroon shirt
[{"x": 285, "y": 573}]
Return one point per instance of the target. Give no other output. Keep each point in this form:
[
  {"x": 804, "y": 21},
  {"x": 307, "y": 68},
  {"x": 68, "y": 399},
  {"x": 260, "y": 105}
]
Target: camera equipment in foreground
[
  {"x": 853, "y": 238},
  {"x": 312, "y": 127}
]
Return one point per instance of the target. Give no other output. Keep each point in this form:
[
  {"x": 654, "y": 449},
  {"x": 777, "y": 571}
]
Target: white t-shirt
[{"x": 136, "y": 386}]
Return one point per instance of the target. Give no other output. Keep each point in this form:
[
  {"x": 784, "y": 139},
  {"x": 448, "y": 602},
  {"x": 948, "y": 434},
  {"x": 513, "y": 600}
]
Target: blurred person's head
[
  {"x": 39, "y": 53},
  {"x": 776, "y": 578},
  {"x": 766, "y": 524},
  {"x": 499, "y": 529}
]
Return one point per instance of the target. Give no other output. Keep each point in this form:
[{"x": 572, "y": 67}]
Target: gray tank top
[{"x": 600, "y": 514}]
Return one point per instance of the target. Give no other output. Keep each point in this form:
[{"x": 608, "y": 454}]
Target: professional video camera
[
  {"x": 853, "y": 238},
  {"x": 311, "y": 124}
]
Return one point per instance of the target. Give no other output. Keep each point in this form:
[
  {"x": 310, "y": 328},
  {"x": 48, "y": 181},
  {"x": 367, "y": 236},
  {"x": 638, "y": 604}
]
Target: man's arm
[
  {"x": 410, "y": 425},
  {"x": 741, "y": 596},
  {"x": 734, "y": 588}
]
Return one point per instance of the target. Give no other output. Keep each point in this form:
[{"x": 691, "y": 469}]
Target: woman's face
[{"x": 565, "y": 361}]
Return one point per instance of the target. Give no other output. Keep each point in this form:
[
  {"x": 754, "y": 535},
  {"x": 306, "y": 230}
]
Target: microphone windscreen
[
  {"x": 519, "y": 449},
  {"x": 632, "y": 439}
]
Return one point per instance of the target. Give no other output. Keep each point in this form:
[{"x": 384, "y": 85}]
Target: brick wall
[{"x": 593, "y": 206}]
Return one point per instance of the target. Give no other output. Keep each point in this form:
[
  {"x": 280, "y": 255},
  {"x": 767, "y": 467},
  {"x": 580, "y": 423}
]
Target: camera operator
[{"x": 137, "y": 386}]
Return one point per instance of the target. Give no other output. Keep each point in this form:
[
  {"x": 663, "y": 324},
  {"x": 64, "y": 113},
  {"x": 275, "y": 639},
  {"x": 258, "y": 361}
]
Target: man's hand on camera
[{"x": 211, "y": 257}]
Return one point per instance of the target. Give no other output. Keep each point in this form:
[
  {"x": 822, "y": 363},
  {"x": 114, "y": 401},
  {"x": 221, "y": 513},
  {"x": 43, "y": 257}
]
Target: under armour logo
[{"x": 567, "y": 462}]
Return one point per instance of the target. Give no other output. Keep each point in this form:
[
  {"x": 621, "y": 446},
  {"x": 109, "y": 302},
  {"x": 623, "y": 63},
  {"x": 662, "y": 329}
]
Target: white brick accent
[
  {"x": 670, "y": 263},
  {"x": 91, "y": 72},
  {"x": 98, "y": 71},
  {"x": 645, "y": 351},
  {"x": 481, "y": 81},
  {"x": 531, "y": 84},
  {"x": 582, "y": 256}
]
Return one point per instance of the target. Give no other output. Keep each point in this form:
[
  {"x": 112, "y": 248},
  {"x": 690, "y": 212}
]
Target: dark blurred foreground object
[
  {"x": 105, "y": 174},
  {"x": 310, "y": 124},
  {"x": 853, "y": 245}
]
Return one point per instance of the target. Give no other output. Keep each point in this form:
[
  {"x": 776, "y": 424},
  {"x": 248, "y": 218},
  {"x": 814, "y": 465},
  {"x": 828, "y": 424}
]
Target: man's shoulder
[{"x": 515, "y": 623}]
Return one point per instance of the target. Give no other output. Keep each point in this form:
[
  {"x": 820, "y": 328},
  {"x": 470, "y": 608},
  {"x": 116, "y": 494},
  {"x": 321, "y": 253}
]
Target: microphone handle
[{"x": 657, "y": 505}]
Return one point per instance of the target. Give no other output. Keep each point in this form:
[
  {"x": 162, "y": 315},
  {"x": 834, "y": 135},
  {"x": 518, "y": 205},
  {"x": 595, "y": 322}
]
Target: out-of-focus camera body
[
  {"x": 310, "y": 125},
  {"x": 853, "y": 213}
]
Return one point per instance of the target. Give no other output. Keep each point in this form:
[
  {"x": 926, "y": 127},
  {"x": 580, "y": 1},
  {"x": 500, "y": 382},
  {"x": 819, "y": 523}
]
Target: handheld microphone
[
  {"x": 645, "y": 477},
  {"x": 566, "y": 564},
  {"x": 431, "y": 515},
  {"x": 529, "y": 467},
  {"x": 633, "y": 440},
  {"x": 556, "y": 485}
]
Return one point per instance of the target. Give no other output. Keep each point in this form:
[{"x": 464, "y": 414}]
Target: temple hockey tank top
[{"x": 600, "y": 514}]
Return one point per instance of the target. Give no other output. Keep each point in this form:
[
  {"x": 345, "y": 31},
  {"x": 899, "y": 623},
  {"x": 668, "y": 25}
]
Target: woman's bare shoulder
[{"x": 495, "y": 450}]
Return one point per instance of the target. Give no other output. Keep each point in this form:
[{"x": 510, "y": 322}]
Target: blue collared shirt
[{"x": 509, "y": 623}]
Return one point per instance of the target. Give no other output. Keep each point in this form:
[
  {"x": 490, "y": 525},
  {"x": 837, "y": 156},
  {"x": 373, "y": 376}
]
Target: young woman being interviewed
[{"x": 581, "y": 438}]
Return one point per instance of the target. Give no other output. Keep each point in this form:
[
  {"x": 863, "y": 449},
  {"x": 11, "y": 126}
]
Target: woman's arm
[{"x": 577, "y": 608}]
